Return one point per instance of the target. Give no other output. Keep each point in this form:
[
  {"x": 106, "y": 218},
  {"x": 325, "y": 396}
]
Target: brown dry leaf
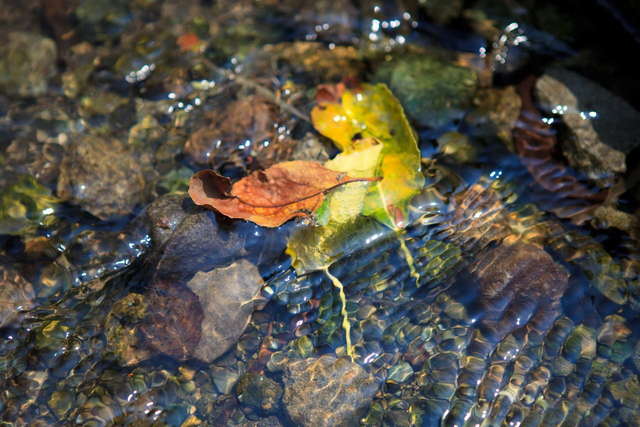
[{"x": 270, "y": 197}]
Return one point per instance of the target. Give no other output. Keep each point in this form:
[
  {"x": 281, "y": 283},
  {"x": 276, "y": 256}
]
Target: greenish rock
[
  {"x": 326, "y": 391},
  {"x": 258, "y": 391},
  {"x": 121, "y": 329},
  {"x": 400, "y": 373},
  {"x": 104, "y": 176},
  {"x": 102, "y": 19},
  {"x": 458, "y": 146},
  {"x": 24, "y": 205},
  {"x": 16, "y": 294},
  {"x": 303, "y": 346},
  {"x": 101, "y": 103},
  {"x": 627, "y": 392},
  {"x": 433, "y": 92},
  {"x": 175, "y": 181},
  {"x": 27, "y": 64}
]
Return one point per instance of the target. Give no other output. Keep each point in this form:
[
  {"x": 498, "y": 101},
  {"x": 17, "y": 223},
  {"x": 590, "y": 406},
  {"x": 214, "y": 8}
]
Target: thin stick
[{"x": 260, "y": 89}]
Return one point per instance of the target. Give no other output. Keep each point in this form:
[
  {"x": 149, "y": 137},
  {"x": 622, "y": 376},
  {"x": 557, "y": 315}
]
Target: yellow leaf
[{"x": 369, "y": 114}]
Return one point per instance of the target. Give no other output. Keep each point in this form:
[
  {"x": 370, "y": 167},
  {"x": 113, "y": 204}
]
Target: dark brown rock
[
  {"x": 174, "y": 318},
  {"x": 165, "y": 214},
  {"x": 519, "y": 284},
  {"x": 245, "y": 132}
]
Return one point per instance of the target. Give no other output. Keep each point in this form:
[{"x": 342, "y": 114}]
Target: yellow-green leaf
[
  {"x": 315, "y": 248},
  {"x": 356, "y": 119},
  {"x": 347, "y": 202}
]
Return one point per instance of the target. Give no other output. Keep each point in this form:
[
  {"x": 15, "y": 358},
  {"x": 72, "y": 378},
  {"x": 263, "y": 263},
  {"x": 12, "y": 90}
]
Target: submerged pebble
[
  {"x": 16, "y": 294},
  {"x": 326, "y": 391},
  {"x": 104, "y": 176}
]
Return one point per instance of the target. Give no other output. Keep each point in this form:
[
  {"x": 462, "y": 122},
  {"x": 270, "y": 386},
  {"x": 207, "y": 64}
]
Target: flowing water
[{"x": 510, "y": 298}]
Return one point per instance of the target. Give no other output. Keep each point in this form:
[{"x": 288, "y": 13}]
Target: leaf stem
[{"x": 345, "y": 316}]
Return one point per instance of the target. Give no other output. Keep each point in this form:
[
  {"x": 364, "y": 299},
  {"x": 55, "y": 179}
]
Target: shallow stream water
[{"x": 511, "y": 297}]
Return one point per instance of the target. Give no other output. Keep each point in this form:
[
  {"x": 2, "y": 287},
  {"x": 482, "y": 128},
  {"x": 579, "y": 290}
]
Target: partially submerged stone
[
  {"x": 602, "y": 126},
  {"x": 326, "y": 391},
  {"x": 249, "y": 132},
  {"x": 165, "y": 214},
  {"x": 496, "y": 113}
]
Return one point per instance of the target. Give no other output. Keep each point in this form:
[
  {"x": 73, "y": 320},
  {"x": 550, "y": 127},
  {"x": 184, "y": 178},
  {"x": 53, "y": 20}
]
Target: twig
[{"x": 259, "y": 89}]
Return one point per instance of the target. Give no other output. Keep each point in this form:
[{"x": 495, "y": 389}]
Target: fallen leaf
[
  {"x": 363, "y": 116},
  {"x": 270, "y": 197},
  {"x": 348, "y": 201},
  {"x": 315, "y": 248},
  {"x": 339, "y": 218}
]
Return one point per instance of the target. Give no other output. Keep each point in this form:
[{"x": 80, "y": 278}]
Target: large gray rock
[
  {"x": 603, "y": 127},
  {"x": 326, "y": 391},
  {"x": 227, "y": 298}
]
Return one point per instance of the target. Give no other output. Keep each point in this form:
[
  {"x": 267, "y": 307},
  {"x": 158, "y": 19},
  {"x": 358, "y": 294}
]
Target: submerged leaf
[
  {"x": 24, "y": 205},
  {"x": 270, "y": 197},
  {"x": 315, "y": 248}
]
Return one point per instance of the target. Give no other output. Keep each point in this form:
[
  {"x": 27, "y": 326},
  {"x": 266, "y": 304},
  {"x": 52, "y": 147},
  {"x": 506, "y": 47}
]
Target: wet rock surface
[
  {"x": 433, "y": 92},
  {"x": 104, "y": 176},
  {"x": 259, "y": 391},
  {"x": 108, "y": 93},
  {"x": 27, "y": 63},
  {"x": 326, "y": 391},
  {"x": 518, "y": 283},
  {"x": 173, "y": 321},
  {"x": 226, "y": 296},
  {"x": 497, "y": 110},
  {"x": 249, "y": 132},
  {"x": 165, "y": 214},
  {"x": 94, "y": 254},
  {"x": 24, "y": 204},
  {"x": 602, "y": 126}
]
